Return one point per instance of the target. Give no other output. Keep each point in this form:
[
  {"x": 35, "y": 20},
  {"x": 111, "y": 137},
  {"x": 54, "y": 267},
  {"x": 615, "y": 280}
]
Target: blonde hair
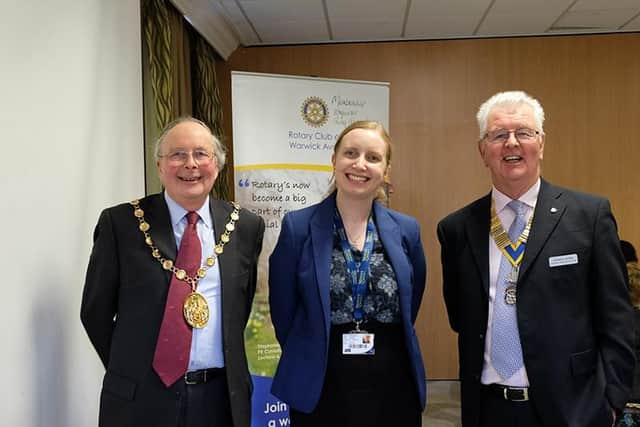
[{"x": 382, "y": 132}]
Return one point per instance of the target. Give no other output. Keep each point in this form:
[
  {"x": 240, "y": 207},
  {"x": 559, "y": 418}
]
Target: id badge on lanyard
[{"x": 357, "y": 342}]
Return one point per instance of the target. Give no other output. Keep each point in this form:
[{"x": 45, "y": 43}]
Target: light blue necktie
[{"x": 506, "y": 351}]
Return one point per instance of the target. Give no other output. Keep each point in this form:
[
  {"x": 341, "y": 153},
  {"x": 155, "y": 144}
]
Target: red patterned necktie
[{"x": 171, "y": 358}]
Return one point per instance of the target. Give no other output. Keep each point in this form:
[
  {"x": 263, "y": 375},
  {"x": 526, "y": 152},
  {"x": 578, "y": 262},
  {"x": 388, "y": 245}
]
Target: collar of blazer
[
  {"x": 549, "y": 209},
  {"x": 220, "y": 211},
  {"x": 390, "y": 235},
  {"x": 157, "y": 214}
]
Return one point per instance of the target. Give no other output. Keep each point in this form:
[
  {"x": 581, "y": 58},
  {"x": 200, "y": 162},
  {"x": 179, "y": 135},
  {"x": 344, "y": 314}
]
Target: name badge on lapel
[{"x": 560, "y": 260}]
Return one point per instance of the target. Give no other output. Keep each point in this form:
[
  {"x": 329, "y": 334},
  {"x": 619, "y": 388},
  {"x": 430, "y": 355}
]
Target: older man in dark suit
[
  {"x": 168, "y": 291},
  {"x": 534, "y": 284}
]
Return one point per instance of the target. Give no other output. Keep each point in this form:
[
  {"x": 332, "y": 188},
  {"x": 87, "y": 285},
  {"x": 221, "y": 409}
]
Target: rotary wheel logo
[{"x": 314, "y": 111}]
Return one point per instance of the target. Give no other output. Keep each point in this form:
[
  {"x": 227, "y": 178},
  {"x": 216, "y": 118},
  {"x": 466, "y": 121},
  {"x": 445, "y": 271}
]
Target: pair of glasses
[
  {"x": 500, "y": 136},
  {"x": 180, "y": 157}
]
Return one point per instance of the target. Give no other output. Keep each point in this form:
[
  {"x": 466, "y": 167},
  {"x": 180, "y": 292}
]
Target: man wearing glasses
[
  {"x": 535, "y": 286},
  {"x": 168, "y": 291}
]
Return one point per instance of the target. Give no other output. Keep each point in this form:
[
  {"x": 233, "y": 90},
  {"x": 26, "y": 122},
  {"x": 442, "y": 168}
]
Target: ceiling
[{"x": 229, "y": 23}]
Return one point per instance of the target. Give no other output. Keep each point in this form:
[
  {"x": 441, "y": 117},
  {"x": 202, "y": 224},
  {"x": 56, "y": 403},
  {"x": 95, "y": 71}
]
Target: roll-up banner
[{"x": 284, "y": 130}]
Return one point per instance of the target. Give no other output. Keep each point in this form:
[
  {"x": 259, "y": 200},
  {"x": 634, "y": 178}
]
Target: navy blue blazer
[{"x": 299, "y": 270}]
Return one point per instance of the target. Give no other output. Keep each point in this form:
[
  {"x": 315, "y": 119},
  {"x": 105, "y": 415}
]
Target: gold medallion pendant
[{"x": 196, "y": 310}]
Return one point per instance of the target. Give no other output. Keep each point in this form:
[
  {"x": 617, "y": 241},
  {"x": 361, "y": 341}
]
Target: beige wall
[{"x": 588, "y": 85}]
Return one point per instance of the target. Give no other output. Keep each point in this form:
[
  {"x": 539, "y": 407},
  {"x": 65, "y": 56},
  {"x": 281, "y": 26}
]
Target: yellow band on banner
[{"x": 318, "y": 168}]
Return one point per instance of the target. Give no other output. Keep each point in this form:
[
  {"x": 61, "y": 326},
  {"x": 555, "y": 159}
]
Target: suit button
[
  {"x": 476, "y": 377},
  {"x": 481, "y": 336}
]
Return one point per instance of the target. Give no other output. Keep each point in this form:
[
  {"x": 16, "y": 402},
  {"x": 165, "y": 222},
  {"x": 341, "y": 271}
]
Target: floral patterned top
[{"x": 382, "y": 301}]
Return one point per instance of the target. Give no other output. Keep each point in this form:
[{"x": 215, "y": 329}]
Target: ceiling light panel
[
  {"x": 442, "y": 18},
  {"x": 236, "y": 18},
  {"x": 365, "y": 19},
  {"x": 522, "y": 17},
  {"x": 287, "y": 21},
  {"x": 599, "y": 14}
]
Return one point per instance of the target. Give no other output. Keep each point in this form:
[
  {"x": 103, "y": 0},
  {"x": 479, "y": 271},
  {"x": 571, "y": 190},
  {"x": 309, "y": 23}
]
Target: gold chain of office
[
  {"x": 169, "y": 264},
  {"x": 503, "y": 241},
  {"x": 501, "y": 237},
  {"x": 195, "y": 307}
]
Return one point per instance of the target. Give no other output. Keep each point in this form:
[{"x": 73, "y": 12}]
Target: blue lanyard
[{"x": 358, "y": 271}]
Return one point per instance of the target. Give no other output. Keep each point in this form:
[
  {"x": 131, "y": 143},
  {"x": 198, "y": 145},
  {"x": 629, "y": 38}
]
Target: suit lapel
[
  {"x": 220, "y": 215},
  {"x": 477, "y": 229},
  {"x": 322, "y": 246},
  {"x": 157, "y": 214},
  {"x": 549, "y": 209},
  {"x": 391, "y": 238}
]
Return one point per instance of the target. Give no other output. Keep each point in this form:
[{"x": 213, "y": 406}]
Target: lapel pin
[{"x": 553, "y": 210}]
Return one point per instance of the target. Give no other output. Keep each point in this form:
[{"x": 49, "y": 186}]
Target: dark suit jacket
[
  {"x": 573, "y": 319},
  {"x": 123, "y": 304},
  {"x": 299, "y": 270}
]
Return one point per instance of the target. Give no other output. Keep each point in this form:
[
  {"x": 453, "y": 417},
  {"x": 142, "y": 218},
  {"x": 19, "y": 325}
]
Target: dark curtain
[
  {"x": 206, "y": 102},
  {"x": 178, "y": 68}
]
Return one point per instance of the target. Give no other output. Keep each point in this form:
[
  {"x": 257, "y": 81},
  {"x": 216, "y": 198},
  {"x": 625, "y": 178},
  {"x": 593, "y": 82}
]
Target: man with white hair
[
  {"x": 168, "y": 292},
  {"x": 535, "y": 286}
]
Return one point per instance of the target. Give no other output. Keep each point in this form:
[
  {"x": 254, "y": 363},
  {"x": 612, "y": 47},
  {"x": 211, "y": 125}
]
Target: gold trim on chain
[
  {"x": 514, "y": 256},
  {"x": 196, "y": 309},
  {"x": 500, "y": 235}
]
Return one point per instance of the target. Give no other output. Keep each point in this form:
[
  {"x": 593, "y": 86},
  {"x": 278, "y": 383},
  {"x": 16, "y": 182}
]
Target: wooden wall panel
[{"x": 588, "y": 85}]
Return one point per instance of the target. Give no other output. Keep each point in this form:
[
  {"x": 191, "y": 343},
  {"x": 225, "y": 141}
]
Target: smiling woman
[
  {"x": 374, "y": 136},
  {"x": 364, "y": 256},
  {"x": 359, "y": 165}
]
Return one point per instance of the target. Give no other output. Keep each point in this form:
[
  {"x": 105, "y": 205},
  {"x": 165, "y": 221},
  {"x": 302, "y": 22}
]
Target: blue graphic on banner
[{"x": 266, "y": 409}]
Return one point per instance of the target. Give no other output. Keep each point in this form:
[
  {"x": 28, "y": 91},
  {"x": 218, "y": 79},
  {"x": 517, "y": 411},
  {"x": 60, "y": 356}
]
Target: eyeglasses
[
  {"x": 500, "y": 136},
  {"x": 180, "y": 157}
]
